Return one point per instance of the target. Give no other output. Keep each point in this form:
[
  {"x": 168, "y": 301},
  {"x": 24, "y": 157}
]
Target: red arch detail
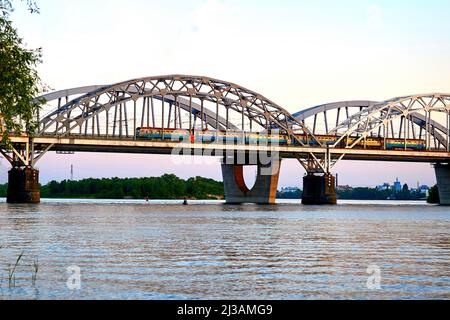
[{"x": 239, "y": 178}]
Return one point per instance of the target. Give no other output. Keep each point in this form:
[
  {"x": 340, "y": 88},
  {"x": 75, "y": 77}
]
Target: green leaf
[{"x": 19, "y": 82}]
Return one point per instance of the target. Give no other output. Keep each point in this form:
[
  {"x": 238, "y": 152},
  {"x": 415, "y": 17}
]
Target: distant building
[
  {"x": 289, "y": 193},
  {"x": 344, "y": 188},
  {"x": 384, "y": 186},
  {"x": 397, "y": 186},
  {"x": 424, "y": 189},
  {"x": 290, "y": 190},
  {"x": 417, "y": 190}
]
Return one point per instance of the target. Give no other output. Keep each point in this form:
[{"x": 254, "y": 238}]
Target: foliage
[
  {"x": 12, "y": 272},
  {"x": 171, "y": 187},
  {"x": 297, "y": 194},
  {"x": 166, "y": 187},
  {"x": 6, "y": 7},
  {"x": 433, "y": 196},
  {"x": 374, "y": 194},
  {"x": 3, "y": 190},
  {"x": 19, "y": 80},
  {"x": 365, "y": 194}
]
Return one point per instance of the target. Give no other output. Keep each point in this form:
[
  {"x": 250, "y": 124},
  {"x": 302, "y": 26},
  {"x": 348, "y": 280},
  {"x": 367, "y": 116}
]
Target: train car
[
  {"x": 266, "y": 138},
  {"x": 416, "y": 144},
  {"x": 391, "y": 144},
  {"x": 368, "y": 143},
  {"x": 301, "y": 139},
  {"x": 240, "y": 137},
  {"x": 411, "y": 144},
  {"x": 372, "y": 142},
  {"x": 327, "y": 140},
  {"x": 160, "y": 134},
  {"x": 207, "y": 136},
  {"x": 323, "y": 139},
  {"x": 229, "y": 136}
]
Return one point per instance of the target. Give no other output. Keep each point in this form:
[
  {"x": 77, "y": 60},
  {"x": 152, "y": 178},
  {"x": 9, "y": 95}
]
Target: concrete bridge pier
[
  {"x": 264, "y": 190},
  {"x": 23, "y": 185},
  {"x": 443, "y": 182},
  {"x": 319, "y": 189}
]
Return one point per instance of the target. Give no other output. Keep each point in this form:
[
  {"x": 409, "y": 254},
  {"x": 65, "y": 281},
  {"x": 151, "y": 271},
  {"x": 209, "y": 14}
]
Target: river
[{"x": 95, "y": 249}]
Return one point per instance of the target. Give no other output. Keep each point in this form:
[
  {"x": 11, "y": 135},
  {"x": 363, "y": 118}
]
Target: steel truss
[
  {"x": 187, "y": 102},
  {"x": 397, "y": 118},
  {"x": 424, "y": 117},
  {"x": 90, "y": 113}
]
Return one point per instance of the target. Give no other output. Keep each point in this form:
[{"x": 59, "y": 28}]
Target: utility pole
[{"x": 71, "y": 172}]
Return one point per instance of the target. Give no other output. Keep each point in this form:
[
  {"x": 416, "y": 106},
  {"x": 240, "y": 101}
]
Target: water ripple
[{"x": 162, "y": 250}]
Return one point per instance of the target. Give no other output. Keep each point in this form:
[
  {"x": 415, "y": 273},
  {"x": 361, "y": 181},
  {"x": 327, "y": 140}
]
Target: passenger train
[{"x": 258, "y": 138}]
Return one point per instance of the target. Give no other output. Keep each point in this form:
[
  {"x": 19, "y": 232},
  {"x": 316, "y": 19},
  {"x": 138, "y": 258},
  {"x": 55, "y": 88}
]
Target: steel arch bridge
[
  {"x": 107, "y": 118},
  {"x": 419, "y": 117},
  {"x": 177, "y": 95},
  {"x": 415, "y": 120}
]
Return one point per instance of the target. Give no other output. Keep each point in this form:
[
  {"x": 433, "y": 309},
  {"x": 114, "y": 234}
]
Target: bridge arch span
[
  {"x": 423, "y": 117},
  {"x": 174, "y": 101},
  {"x": 55, "y": 101},
  {"x": 325, "y": 117}
]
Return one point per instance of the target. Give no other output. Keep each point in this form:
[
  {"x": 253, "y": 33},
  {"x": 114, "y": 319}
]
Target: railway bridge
[{"x": 202, "y": 116}]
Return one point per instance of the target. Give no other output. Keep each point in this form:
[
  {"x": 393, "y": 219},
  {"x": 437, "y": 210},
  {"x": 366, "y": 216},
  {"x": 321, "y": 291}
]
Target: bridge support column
[
  {"x": 319, "y": 190},
  {"x": 264, "y": 190},
  {"x": 443, "y": 182},
  {"x": 23, "y": 185}
]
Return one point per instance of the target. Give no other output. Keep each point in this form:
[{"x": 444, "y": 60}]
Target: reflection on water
[{"x": 163, "y": 250}]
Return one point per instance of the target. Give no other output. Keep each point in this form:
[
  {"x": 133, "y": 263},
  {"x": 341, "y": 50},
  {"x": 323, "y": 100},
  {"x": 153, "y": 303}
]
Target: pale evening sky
[{"x": 296, "y": 53}]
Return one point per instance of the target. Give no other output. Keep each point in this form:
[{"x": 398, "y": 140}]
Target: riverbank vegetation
[
  {"x": 11, "y": 270},
  {"x": 19, "y": 80},
  {"x": 433, "y": 196},
  {"x": 375, "y": 194},
  {"x": 168, "y": 186},
  {"x": 359, "y": 193}
]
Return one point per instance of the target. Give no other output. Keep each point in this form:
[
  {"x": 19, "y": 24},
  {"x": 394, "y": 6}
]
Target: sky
[{"x": 296, "y": 53}]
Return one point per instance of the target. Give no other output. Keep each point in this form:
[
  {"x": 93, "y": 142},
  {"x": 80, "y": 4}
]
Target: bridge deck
[{"x": 127, "y": 145}]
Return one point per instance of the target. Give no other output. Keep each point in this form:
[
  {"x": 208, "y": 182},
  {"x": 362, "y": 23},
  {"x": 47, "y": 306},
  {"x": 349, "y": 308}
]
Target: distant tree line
[
  {"x": 373, "y": 194},
  {"x": 364, "y": 194},
  {"x": 297, "y": 194},
  {"x": 168, "y": 186},
  {"x": 3, "y": 188}
]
